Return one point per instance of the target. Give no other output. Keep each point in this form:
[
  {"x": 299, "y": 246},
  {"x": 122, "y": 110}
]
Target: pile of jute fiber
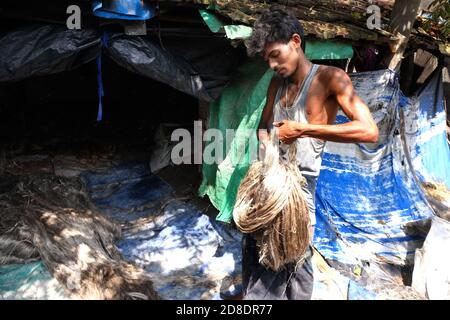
[
  {"x": 50, "y": 218},
  {"x": 270, "y": 205}
]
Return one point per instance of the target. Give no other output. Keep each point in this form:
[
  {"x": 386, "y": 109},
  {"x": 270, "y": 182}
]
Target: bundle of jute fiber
[
  {"x": 270, "y": 204},
  {"x": 51, "y": 218}
]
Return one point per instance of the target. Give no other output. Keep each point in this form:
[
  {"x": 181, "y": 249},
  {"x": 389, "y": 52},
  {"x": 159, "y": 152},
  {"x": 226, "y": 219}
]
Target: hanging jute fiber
[
  {"x": 270, "y": 205},
  {"x": 49, "y": 218}
]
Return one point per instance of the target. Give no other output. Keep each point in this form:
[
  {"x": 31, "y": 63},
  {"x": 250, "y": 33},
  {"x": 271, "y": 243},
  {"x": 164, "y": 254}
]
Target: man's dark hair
[{"x": 275, "y": 24}]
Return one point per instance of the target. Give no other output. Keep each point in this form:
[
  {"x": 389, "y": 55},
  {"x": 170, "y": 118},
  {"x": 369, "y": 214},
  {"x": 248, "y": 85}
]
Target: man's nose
[{"x": 272, "y": 64}]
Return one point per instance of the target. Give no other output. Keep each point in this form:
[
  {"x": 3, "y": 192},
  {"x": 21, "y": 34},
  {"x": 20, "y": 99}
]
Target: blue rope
[{"x": 101, "y": 93}]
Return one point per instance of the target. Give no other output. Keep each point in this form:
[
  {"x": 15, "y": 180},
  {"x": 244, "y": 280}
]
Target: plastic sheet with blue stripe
[{"x": 368, "y": 193}]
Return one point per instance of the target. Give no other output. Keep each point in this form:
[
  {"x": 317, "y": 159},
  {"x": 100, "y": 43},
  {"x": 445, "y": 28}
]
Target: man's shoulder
[
  {"x": 332, "y": 77},
  {"x": 331, "y": 72}
]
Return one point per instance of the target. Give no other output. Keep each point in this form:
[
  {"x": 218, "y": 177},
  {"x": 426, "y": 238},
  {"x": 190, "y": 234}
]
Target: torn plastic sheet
[
  {"x": 431, "y": 276},
  {"x": 366, "y": 193},
  {"x": 425, "y": 132}
]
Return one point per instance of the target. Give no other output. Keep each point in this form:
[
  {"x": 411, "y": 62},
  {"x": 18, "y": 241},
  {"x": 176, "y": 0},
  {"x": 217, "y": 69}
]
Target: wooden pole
[
  {"x": 403, "y": 15},
  {"x": 446, "y": 85}
]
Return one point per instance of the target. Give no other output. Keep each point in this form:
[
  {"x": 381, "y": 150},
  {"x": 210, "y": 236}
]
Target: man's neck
[{"x": 303, "y": 67}]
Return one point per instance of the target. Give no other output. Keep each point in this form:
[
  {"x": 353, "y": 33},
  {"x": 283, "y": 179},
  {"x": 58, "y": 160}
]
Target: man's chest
[{"x": 315, "y": 103}]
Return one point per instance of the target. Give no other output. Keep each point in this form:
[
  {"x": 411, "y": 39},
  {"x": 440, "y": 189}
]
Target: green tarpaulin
[
  {"x": 327, "y": 50},
  {"x": 239, "y": 108},
  {"x": 29, "y": 281}
]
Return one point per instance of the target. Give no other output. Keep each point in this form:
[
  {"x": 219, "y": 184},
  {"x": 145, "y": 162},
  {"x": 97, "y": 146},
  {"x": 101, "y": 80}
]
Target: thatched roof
[{"x": 324, "y": 19}]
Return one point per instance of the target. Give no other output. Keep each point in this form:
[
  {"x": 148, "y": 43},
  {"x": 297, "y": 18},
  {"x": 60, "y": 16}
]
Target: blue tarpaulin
[
  {"x": 187, "y": 254},
  {"x": 367, "y": 193}
]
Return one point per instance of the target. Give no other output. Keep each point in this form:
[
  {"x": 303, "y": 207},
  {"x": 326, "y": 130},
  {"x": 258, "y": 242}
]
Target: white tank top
[{"x": 309, "y": 150}]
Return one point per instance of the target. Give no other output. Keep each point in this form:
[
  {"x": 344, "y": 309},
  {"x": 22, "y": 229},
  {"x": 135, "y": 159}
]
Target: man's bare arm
[
  {"x": 361, "y": 128},
  {"x": 268, "y": 108}
]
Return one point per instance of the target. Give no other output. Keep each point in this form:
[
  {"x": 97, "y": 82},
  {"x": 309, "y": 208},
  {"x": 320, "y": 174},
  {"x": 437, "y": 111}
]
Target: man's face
[{"x": 282, "y": 57}]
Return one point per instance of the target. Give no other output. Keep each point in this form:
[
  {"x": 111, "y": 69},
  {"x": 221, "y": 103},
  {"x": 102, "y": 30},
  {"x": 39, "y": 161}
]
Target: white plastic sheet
[{"x": 431, "y": 276}]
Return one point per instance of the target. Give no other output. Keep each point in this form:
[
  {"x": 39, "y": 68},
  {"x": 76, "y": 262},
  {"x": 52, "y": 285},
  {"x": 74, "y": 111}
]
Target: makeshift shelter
[
  {"x": 72, "y": 108},
  {"x": 55, "y": 83}
]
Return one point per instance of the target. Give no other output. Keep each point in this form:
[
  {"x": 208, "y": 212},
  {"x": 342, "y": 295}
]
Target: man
[{"x": 302, "y": 102}]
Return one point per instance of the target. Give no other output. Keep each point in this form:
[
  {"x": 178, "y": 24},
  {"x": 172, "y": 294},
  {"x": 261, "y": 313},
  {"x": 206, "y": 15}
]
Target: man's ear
[{"x": 296, "y": 40}]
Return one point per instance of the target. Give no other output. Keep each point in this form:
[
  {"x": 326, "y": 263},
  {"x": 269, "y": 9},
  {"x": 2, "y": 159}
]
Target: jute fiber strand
[{"x": 271, "y": 205}]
